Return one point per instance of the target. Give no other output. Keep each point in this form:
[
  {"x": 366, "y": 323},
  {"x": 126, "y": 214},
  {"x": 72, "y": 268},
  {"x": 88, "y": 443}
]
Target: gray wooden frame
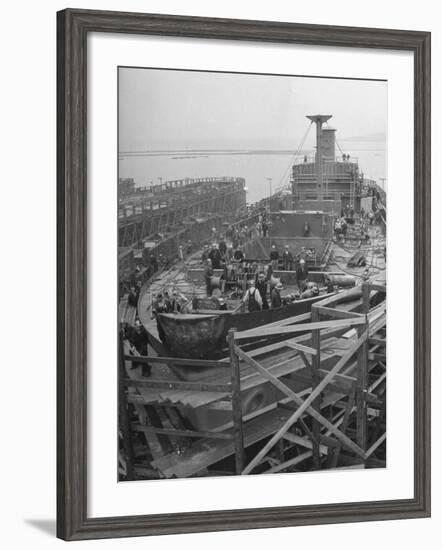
[{"x": 73, "y": 27}]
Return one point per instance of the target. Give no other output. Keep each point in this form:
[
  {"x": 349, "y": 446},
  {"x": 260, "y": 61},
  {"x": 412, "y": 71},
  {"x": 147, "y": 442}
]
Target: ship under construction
[{"x": 253, "y": 336}]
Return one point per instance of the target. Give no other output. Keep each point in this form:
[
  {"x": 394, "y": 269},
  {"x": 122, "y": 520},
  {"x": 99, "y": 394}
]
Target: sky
[{"x": 169, "y": 109}]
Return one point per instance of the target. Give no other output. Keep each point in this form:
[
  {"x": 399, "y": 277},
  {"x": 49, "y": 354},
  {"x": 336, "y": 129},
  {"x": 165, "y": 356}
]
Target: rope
[{"x": 293, "y": 158}]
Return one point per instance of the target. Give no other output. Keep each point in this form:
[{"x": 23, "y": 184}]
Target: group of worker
[
  {"x": 256, "y": 296},
  {"x": 286, "y": 261}
]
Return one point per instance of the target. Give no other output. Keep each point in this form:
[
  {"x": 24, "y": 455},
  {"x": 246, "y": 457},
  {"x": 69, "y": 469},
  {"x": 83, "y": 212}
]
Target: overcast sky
[{"x": 167, "y": 109}]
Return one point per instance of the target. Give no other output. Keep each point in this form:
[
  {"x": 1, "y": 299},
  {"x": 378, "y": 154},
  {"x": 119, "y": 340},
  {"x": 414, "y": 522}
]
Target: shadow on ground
[{"x": 47, "y": 526}]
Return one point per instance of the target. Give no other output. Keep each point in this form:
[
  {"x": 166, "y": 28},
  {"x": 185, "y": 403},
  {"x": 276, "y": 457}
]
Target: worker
[
  {"x": 275, "y": 296},
  {"x": 222, "y": 246},
  {"x": 222, "y": 304},
  {"x": 175, "y": 306},
  {"x": 287, "y": 259},
  {"x": 302, "y": 275},
  {"x": 208, "y": 274},
  {"x": 306, "y": 229},
  {"x": 274, "y": 257},
  {"x": 205, "y": 254},
  {"x": 159, "y": 306},
  {"x": 215, "y": 256},
  {"x": 252, "y": 298},
  {"x": 132, "y": 298},
  {"x": 140, "y": 341},
  {"x": 371, "y": 217},
  {"x": 265, "y": 229},
  {"x": 239, "y": 255},
  {"x": 261, "y": 285}
]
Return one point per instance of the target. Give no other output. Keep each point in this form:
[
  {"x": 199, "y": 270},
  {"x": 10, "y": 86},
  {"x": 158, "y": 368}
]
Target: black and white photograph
[{"x": 252, "y": 222}]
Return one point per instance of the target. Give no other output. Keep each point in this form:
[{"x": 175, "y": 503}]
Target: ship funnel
[
  {"x": 328, "y": 143},
  {"x": 319, "y": 121}
]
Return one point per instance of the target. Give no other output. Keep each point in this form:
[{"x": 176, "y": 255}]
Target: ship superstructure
[{"x": 330, "y": 182}]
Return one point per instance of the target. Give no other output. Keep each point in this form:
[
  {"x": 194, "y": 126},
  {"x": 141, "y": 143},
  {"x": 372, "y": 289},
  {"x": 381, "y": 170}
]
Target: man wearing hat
[
  {"x": 302, "y": 275},
  {"x": 275, "y": 296},
  {"x": 222, "y": 304}
]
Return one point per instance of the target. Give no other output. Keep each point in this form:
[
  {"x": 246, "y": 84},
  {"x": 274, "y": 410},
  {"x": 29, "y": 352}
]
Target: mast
[{"x": 319, "y": 121}]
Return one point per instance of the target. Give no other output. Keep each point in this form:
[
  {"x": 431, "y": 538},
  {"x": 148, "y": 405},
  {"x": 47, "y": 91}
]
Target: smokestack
[
  {"x": 328, "y": 143},
  {"x": 319, "y": 121}
]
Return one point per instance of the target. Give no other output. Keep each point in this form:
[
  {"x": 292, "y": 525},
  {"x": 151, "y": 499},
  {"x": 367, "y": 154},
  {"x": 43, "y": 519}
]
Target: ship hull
[{"x": 204, "y": 336}]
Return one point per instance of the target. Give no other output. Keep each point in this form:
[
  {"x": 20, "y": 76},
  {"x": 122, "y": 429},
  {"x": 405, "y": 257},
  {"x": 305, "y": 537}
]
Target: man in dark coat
[
  {"x": 215, "y": 257},
  {"x": 208, "y": 274},
  {"x": 140, "y": 341},
  {"x": 302, "y": 275},
  {"x": 275, "y": 296},
  {"x": 274, "y": 257},
  {"x": 287, "y": 259}
]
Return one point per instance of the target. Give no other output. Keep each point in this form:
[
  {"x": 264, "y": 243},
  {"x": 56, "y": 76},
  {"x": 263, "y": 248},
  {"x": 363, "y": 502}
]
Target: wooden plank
[
  {"x": 348, "y": 410},
  {"x": 361, "y": 387},
  {"x": 377, "y": 341},
  {"x": 180, "y": 433},
  {"x": 205, "y": 452},
  {"x": 303, "y": 327},
  {"x": 335, "y": 313},
  {"x": 177, "y": 385},
  {"x": 375, "y": 445},
  {"x": 316, "y": 403},
  {"x": 176, "y": 361},
  {"x": 303, "y": 406},
  {"x": 124, "y": 423},
  {"x": 236, "y": 404},
  {"x": 301, "y": 347},
  {"x": 304, "y": 442},
  {"x": 292, "y": 462}
]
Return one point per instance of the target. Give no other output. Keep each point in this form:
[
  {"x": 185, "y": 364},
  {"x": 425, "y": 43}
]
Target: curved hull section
[
  {"x": 204, "y": 336},
  {"x": 195, "y": 336}
]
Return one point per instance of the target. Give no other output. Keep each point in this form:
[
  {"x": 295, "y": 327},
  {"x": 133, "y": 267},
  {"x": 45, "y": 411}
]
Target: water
[{"x": 255, "y": 166}]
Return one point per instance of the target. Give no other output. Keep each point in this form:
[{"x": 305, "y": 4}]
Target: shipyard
[{"x": 253, "y": 335}]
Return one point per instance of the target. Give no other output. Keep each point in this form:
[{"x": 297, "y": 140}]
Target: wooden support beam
[
  {"x": 303, "y": 405},
  {"x": 300, "y": 347},
  {"x": 375, "y": 445},
  {"x": 289, "y": 463},
  {"x": 124, "y": 423},
  {"x": 303, "y": 327},
  {"x": 180, "y": 433},
  {"x": 377, "y": 341},
  {"x": 315, "y": 378},
  {"x": 335, "y": 313},
  {"x": 177, "y": 385},
  {"x": 361, "y": 388},
  {"x": 334, "y": 456},
  {"x": 176, "y": 361},
  {"x": 236, "y": 404}
]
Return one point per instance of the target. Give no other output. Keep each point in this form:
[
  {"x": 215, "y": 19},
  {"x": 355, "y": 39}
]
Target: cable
[{"x": 292, "y": 160}]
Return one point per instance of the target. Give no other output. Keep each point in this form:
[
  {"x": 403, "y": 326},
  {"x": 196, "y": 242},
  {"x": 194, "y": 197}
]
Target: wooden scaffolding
[{"x": 328, "y": 370}]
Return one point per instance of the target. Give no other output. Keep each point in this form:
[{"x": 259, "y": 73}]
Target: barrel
[{"x": 215, "y": 282}]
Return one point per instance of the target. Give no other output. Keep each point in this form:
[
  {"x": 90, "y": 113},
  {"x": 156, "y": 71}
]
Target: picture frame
[{"x": 73, "y": 27}]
